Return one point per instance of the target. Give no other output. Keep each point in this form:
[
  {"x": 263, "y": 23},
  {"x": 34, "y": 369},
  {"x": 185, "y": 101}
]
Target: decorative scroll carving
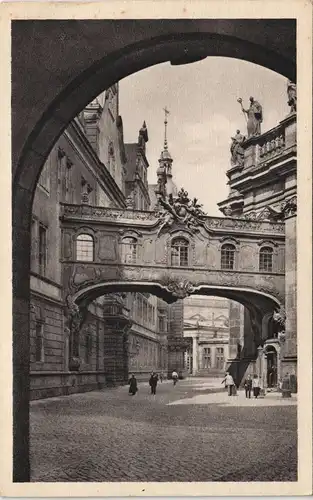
[
  {"x": 246, "y": 223},
  {"x": 181, "y": 210},
  {"x": 89, "y": 212},
  {"x": 178, "y": 288}
]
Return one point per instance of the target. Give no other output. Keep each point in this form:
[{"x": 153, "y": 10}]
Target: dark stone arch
[{"x": 43, "y": 106}]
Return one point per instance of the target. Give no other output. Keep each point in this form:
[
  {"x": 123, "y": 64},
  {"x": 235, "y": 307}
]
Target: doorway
[{"x": 271, "y": 367}]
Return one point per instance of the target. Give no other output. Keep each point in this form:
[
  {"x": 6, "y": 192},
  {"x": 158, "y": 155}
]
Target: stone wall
[{"x": 49, "y": 345}]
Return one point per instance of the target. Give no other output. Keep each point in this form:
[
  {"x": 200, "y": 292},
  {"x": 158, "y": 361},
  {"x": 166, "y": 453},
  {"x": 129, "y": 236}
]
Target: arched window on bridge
[
  {"x": 179, "y": 252},
  {"x": 129, "y": 250},
  {"x": 266, "y": 259},
  {"x": 85, "y": 248},
  {"x": 228, "y": 256}
]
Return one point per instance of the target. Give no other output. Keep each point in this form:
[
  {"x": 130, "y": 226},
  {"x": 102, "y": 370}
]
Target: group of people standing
[
  {"x": 153, "y": 382},
  {"x": 249, "y": 385}
]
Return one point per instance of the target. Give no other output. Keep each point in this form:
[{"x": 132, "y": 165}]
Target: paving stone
[{"x": 109, "y": 436}]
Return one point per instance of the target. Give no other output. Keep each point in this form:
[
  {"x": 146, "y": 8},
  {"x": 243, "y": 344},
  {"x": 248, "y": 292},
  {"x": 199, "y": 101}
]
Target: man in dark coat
[
  {"x": 248, "y": 386},
  {"x": 133, "y": 385},
  {"x": 153, "y": 382}
]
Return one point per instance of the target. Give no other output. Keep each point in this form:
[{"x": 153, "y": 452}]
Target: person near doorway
[
  {"x": 229, "y": 383},
  {"x": 153, "y": 382},
  {"x": 248, "y": 386},
  {"x": 175, "y": 377},
  {"x": 133, "y": 385},
  {"x": 256, "y": 386},
  {"x": 270, "y": 376}
]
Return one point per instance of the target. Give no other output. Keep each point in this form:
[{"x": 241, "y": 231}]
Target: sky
[{"x": 204, "y": 114}]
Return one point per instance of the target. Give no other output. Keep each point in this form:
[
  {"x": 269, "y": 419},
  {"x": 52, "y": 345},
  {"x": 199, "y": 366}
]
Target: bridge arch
[{"x": 264, "y": 302}]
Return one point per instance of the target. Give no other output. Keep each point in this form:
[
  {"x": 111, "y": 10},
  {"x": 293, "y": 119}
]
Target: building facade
[
  {"x": 90, "y": 166},
  {"x": 263, "y": 186},
  {"x": 206, "y": 321}
]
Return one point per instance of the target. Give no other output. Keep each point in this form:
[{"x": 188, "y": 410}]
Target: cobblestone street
[{"x": 189, "y": 432}]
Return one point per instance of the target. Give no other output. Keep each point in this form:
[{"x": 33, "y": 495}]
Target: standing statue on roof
[
  {"x": 236, "y": 149},
  {"x": 292, "y": 96},
  {"x": 254, "y": 117}
]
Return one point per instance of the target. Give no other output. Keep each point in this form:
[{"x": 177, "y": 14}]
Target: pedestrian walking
[
  {"x": 175, "y": 377},
  {"x": 132, "y": 385},
  {"x": 256, "y": 386},
  {"x": 153, "y": 382},
  {"x": 161, "y": 377},
  {"x": 229, "y": 383},
  {"x": 248, "y": 386}
]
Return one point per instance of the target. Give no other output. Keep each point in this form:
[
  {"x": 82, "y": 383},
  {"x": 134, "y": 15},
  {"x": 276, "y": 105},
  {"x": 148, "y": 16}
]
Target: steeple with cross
[{"x": 165, "y": 159}]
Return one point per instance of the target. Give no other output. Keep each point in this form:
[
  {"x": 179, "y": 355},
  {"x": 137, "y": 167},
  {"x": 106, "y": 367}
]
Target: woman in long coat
[{"x": 133, "y": 385}]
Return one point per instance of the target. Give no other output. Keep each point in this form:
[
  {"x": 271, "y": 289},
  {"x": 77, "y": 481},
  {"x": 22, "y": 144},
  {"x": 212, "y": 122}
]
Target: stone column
[
  {"x": 116, "y": 356},
  {"x": 195, "y": 355},
  {"x": 249, "y": 343},
  {"x": 21, "y": 339},
  {"x": 175, "y": 358},
  {"x": 289, "y": 347},
  {"x": 235, "y": 328}
]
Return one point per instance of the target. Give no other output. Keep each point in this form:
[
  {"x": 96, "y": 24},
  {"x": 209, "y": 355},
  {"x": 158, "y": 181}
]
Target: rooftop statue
[
  {"x": 292, "y": 96},
  {"x": 236, "y": 149},
  {"x": 254, "y": 117}
]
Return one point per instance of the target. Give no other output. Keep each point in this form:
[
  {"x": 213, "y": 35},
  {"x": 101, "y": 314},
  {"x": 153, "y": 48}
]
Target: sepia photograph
[{"x": 154, "y": 250}]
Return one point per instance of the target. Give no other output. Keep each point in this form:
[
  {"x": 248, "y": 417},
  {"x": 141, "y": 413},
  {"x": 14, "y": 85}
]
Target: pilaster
[{"x": 289, "y": 347}]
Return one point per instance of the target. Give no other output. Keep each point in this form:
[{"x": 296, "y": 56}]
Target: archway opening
[{"x": 31, "y": 152}]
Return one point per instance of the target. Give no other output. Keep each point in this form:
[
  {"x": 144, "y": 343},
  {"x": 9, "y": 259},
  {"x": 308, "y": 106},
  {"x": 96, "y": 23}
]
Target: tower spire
[
  {"x": 166, "y": 112},
  {"x": 164, "y": 171}
]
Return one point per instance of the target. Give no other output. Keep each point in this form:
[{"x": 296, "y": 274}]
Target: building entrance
[{"x": 271, "y": 367}]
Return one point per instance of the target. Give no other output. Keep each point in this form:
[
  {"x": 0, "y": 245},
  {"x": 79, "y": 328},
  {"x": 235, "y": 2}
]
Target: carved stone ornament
[
  {"x": 279, "y": 317},
  {"x": 179, "y": 288},
  {"x": 74, "y": 314},
  {"x": 292, "y": 96},
  {"x": 75, "y": 321},
  {"x": 180, "y": 210},
  {"x": 282, "y": 336},
  {"x": 268, "y": 213},
  {"x": 289, "y": 207}
]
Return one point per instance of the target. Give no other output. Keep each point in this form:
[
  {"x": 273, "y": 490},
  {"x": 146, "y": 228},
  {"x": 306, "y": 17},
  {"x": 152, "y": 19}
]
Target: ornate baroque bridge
[{"x": 108, "y": 250}]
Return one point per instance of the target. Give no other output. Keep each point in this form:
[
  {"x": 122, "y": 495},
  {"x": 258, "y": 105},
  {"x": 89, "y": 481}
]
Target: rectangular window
[
  {"x": 44, "y": 179},
  {"x": 228, "y": 257},
  {"x": 206, "y": 357},
  {"x": 39, "y": 341},
  {"x": 220, "y": 358},
  {"x": 162, "y": 323},
  {"x": 266, "y": 262},
  {"x": 42, "y": 249}
]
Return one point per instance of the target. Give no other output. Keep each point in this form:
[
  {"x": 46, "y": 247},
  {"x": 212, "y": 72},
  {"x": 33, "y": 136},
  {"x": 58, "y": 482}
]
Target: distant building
[{"x": 206, "y": 322}]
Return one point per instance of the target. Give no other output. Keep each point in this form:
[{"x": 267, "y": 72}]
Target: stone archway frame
[{"x": 52, "y": 106}]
